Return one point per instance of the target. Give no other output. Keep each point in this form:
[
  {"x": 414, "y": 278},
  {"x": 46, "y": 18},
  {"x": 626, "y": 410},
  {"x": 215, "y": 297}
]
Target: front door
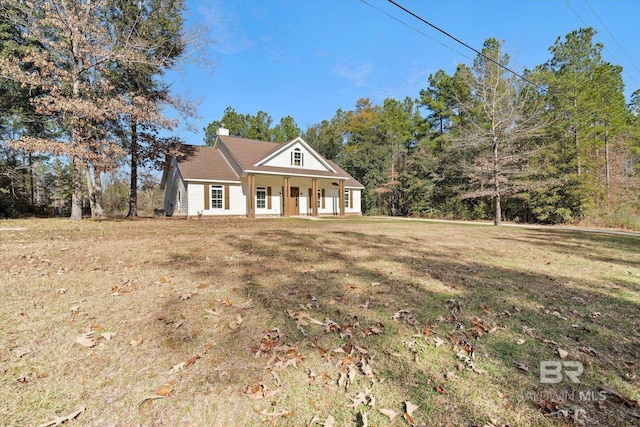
[{"x": 294, "y": 201}]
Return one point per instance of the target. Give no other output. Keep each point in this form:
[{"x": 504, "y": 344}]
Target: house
[{"x": 239, "y": 176}]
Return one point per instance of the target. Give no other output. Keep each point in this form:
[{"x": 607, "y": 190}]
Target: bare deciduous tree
[
  {"x": 75, "y": 47},
  {"x": 502, "y": 130}
]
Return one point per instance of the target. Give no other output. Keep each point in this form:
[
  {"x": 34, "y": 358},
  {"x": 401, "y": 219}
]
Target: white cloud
[
  {"x": 225, "y": 28},
  {"x": 356, "y": 74}
]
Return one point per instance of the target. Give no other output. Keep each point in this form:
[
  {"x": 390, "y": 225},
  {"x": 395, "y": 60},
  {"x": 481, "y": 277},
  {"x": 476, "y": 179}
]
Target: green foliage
[
  {"x": 249, "y": 126},
  {"x": 116, "y": 196},
  {"x": 326, "y": 137},
  {"x": 285, "y": 130},
  {"x": 566, "y": 202}
]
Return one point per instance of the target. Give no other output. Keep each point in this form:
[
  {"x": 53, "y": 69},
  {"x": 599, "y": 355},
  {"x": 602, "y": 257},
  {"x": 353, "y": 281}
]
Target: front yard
[{"x": 332, "y": 322}]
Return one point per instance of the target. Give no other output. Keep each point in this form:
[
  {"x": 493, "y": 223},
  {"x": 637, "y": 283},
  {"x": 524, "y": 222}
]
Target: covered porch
[{"x": 294, "y": 195}]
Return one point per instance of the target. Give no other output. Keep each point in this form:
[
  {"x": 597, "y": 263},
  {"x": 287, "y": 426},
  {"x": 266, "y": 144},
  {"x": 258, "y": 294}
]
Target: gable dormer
[{"x": 296, "y": 154}]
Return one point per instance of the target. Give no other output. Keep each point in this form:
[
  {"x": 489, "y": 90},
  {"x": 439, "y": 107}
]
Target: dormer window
[{"x": 297, "y": 157}]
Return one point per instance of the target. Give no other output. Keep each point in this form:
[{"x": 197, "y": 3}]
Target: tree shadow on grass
[
  {"x": 591, "y": 246},
  {"x": 351, "y": 276}
]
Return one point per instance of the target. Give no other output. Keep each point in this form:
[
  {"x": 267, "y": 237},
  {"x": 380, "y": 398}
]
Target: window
[
  {"x": 216, "y": 197},
  {"x": 346, "y": 198},
  {"x": 261, "y": 197},
  {"x": 319, "y": 198},
  {"x": 297, "y": 158}
]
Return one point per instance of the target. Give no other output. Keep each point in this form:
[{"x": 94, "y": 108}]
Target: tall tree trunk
[
  {"x": 31, "y": 182},
  {"x": 607, "y": 166},
  {"x": 575, "y": 143},
  {"x": 76, "y": 162},
  {"x": 87, "y": 176},
  {"x": 76, "y": 189},
  {"x": 133, "y": 194},
  {"x": 496, "y": 182},
  {"x": 97, "y": 191}
]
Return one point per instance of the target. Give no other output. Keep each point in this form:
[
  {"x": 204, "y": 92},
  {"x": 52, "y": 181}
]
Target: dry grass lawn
[{"x": 294, "y": 323}]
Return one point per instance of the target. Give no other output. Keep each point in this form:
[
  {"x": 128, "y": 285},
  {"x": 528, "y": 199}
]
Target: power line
[
  {"x": 470, "y": 47},
  {"x": 615, "y": 40},
  {"x": 598, "y": 38},
  {"x": 415, "y": 29}
]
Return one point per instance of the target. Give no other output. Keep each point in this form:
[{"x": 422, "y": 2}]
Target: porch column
[
  {"x": 251, "y": 196},
  {"x": 286, "y": 195},
  {"x": 314, "y": 197},
  {"x": 341, "y": 196}
]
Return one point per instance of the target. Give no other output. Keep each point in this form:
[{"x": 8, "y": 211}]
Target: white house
[{"x": 239, "y": 176}]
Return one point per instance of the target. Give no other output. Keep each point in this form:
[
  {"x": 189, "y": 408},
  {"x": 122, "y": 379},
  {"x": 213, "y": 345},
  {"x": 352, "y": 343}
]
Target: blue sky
[{"x": 308, "y": 58}]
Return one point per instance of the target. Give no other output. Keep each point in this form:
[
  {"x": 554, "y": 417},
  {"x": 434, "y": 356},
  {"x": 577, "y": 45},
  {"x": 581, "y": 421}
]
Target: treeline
[
  {"x": 560, "y": 145},
  {"x": 82, "y": 82},
  {"x": 82, "y": 92}
]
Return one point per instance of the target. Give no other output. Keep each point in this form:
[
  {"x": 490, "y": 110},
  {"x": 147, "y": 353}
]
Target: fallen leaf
[
  {"x": 521, "y": 341},
  {"x": 85, "y": 341},
  {"x": 441, "y": 390},
  {"x": 190, "y": 361},
  {"x": 364, "y": 419},
  {"x": 185, "y": 297},
  {"x": 409, "y": 408},
  {"x": 136, "y": 342},
  {"x": 177, "y": 368},
  {"x": 275, "y": 414},
  {"x": 212, "y": 312},
  {"x": 148, "y": 398},
  {"x": 59, "y": 420},
  {"x": 409, "y": 419},
  {"x": 20, "y": 352},
  {"x": 389, "y": 413},
  {"x": 361, "y": 398},
  {"x": 330, "y": 421},
  {"x": 166, "y": 390},
  {"x": 437, "y": 341},
  {"x": 617, "y": 397},
  {"x": 522, "y": 366},
  {"x": 589, "y": 351},
  {"x": 108, "y": 335},
  {"x": 234, "y": 326},
  {"x": 562, "y": 353}
]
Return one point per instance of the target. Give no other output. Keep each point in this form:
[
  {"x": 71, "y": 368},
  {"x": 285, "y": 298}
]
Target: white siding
[
  {"x": 276, "y": 195},
  {"x": 356, "y": 209},
  {"x": 237, "y": 204},
  {"x": 283, "y": 160},
  {"x": 193, "y": 197},
  {"x": 175, "y": 194},
  {"x": 195, "y": 192}
]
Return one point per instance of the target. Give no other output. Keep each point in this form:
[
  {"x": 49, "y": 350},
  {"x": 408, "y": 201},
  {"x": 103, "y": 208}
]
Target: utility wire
[
  {"x": 467, "y": 46},
  {"x": 615, "y": 40},
  {"x": 415, "y": 29},
  {"x": 488, "y": 58},
  {"x": 598, "y": 38}
]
